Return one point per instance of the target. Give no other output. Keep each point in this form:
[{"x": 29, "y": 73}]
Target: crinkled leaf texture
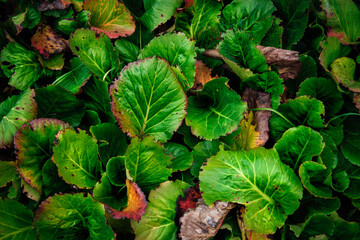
[
  {"x": 257, "y": 178},
  {"x": 110, "y": 17},
  {"x": 34, "y": 142},
  {"x": 14, "y": 112},
  {"x": 147, "y": 99},
  {"x": 16, "y": 221},
  {"x": 182, "y": 157},
  {"x": 158, "y": 221},
  {"x": 343, "y": 71},
  {"x": 8, "y": 172},
  {"x": 178, "y": 50},
  {"x": 76, "y": 156},
  {"x": 216, "y": 111},
  {"x": 72, "y": 216}
]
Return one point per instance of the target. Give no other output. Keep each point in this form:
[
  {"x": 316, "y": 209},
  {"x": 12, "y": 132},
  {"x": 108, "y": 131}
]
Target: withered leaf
[
  {"x": 52, "y": 5},
  {"x": 202, "y": 75}
]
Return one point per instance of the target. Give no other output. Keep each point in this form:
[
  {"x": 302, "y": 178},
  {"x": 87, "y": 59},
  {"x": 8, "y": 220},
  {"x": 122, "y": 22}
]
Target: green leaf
[
  {"x": 34, "y": 143},
  {"x": 73, "y": 216},
  {"x": 324, "y": 90},
  {"x": 114, "y": 139},
  {"x": 160, "y": 11},
  {"x": 315, "y": 225},
  {"x": 345, "y": 229},
  {"x": 238, "y": 48},
  {"x": 340, "y": 181},
  {"x": 147, "y": 99},
  {"x": 76, "y": 158},
  {"x": 216, "y": 111},
  {"x": 341, "y": 17},
  {"x": 189, "y": 139},
  {"x": 256, "y": 178},
  {"x": 146, "y": 163},
  {"x": 96, "y": 52},
  {"x": 178, "y": 50},
  {"x": 268, "y": 82},
  {"x": 299, "y": 144},
  {"x": 332, "y": 49},
  {"x": 353, "y": 176},
  {"x": 273, "y": 37},
  {"x": 14, "y": 112},
  {"x": 8, "y": 172},
  {"x": 202, "y": 151},
  {"x": 299, "y": 111},
  {"x": 75, "y": 78},
  {"x": 28, "y": 19},
  {"x": 343, "y": 71},
  {"x": 57, "y": 102},
  {"x": 52, "y": 183},
  {"x": 110, "y": 17},
  {"x": 251, "y": 16},
  {"x": 295, "y": 20},
  {"x": 128, "y": 51},
  {"x": 16, "y": 221},
  {"x": 182, "y": 157},
  {"x": 20, "y": 65},
  {"x": 116, "y": 171},
  {"x": 351, "y": 148},
  {"x": 158, "y": 221}
]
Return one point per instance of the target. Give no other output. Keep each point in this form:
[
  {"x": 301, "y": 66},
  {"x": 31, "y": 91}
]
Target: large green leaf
[
  {"x": 299, "y": 111},
  {"x": 343, "y": 71},
  {"x": 216, "y": 111},
  {"x": 147, "y": 99},
  {"x": 96, "y": 52},
  {"x": 76, "y": 158},
  {"x": 14, "y": 112},
  {"x": 294, "y": 18},
  {"x": 8, "y": 172},
  {"x": 57, "y": 102},
  {"x": 72, "y": 216},
  {"x": 110, "y": 17},
  {"x": 16, "y": 221},
  {"x": 299, "y": 144},
  {"x": 178, "y": 51},
  {"x": 269, "y": 189},
  {"x": 34, "y": 143},
  {"x": 20, "y": 65},
  {"x": 159, "y": 12},
  {"x": 146, "y": 163},
  {"x": 273, "y": 37},
  {"x": 182, "y": 157},
  {"x": 158, "y": 221},
  {"x": 74, "y": 79},
  {"x": 324, "y": 90},
  {"x": 251, "y": 16},
  {"x": 341, "y": 17}
]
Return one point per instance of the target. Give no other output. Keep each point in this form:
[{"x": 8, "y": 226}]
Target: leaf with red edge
[
  {"x": 110, "y": 17},
  {"x": 47, "y": 42},
  {"x": 136, "y": 203},
  {"x": 189, "y": 200}
]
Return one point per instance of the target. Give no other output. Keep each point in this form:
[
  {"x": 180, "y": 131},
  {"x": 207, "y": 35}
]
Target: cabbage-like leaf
[
  {"x": 72, "y": 216},
  {"x": 110, "y": 17},
  {"x": 34, "y": 142},
  {"x": 52, "y": 182},
  {"x": 76, "y": 158},
  {"x": 182, "y": 157},
  {"x": 299, "y": 144},
  {"x": 8, "y": 172},
  {"x": 343, "y": 71},
  {"x": 147, "y": 99},
  {"x": 273, "y": 37},
  {"x": 351, "y": 148},
  {"x": 257, "y": 178},
  {"x": 158, "y": 221},
  {"x": 127, "y": 50},
  {"x": 146, "y": 163},
  {"x": 96, "y": 52},
  {"x": 160, "y": 11},
  {"x": 75, "y": 78},
  {"x": 202, "y": 151},
  {"x": 14, "y": 112},
  {"x": 251, "y": 16},
  {"x": 299, "y": 111},
  {"x": 16, "y": 221},
  {"x": 116, "y": 171},
  {"x": 20, "y": 65},
  {"x": 324, "y": 90},
  {"x": 294, "y": 15},
  {"x": 178, "y": 50},
  {"x": 345, "y": 229},
  {"x": 216, "y": 111},
  {"x": 57, "y": 102}
]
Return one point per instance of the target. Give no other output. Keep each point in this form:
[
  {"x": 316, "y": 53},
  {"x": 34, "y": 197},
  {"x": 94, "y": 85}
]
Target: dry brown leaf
[
  {"x": 52, "y": 5},
  {"x": 202, "y": 75}
]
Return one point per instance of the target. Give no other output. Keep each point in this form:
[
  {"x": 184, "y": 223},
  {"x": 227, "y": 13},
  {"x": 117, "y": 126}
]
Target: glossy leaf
[
  {"x": 216, "y": 111},
  {"x": 182, "y": 157},
  {"x": 76, "y": 158},
  {"x": 147, "y": 99},
  {"x": 128, "y": 51},
  {"x": 256, "y": 178},
  {"x": 202, "y": 151},
  {"x": 116, "y": 171}
]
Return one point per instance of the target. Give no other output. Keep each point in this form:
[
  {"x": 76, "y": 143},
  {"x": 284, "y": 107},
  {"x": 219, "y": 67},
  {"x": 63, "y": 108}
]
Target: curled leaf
[{"x": 202, "y": 75}]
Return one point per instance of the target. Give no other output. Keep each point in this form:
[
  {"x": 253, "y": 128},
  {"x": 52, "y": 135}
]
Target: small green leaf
[
  {"x": 8, "y": 172},
  {"x": 127, "y": 50},
  {"x": 350, "y": 184},
  {"x": 158, "y": 221},
  {"x": 14, "y": 112},
  {"x": 273, "y": 37},
  {"x": 202, "y": 151},
  {"x": 332, "y": 49},
  {"x": 116, "y": 171},
  {"x": 28, "y": 19},
  {"x": 351, "y": 148},
  {"x": 20, "y": 65},
  {"x": 146, "y": 163},
  {"x": 315, "y": 225},
  {"x": 52, "y": 183},
  {"x": 76, "y": 158},
  {"x": 343, "y": 71},
  {"x": 72, "y": 216},
  {"x": 256, "y": 178},
  {"x": 182, "y": 157},
  {"x": 147, "y": 99},
  {"x": 216, "y": 111}
]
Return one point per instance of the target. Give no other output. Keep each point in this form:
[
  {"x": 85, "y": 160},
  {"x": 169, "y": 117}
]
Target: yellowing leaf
[{"x": 202, "y": 75}]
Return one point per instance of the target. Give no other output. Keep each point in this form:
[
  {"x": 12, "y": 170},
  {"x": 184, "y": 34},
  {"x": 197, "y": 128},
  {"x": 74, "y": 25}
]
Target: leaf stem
[{"x": 274, "y": 111}]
